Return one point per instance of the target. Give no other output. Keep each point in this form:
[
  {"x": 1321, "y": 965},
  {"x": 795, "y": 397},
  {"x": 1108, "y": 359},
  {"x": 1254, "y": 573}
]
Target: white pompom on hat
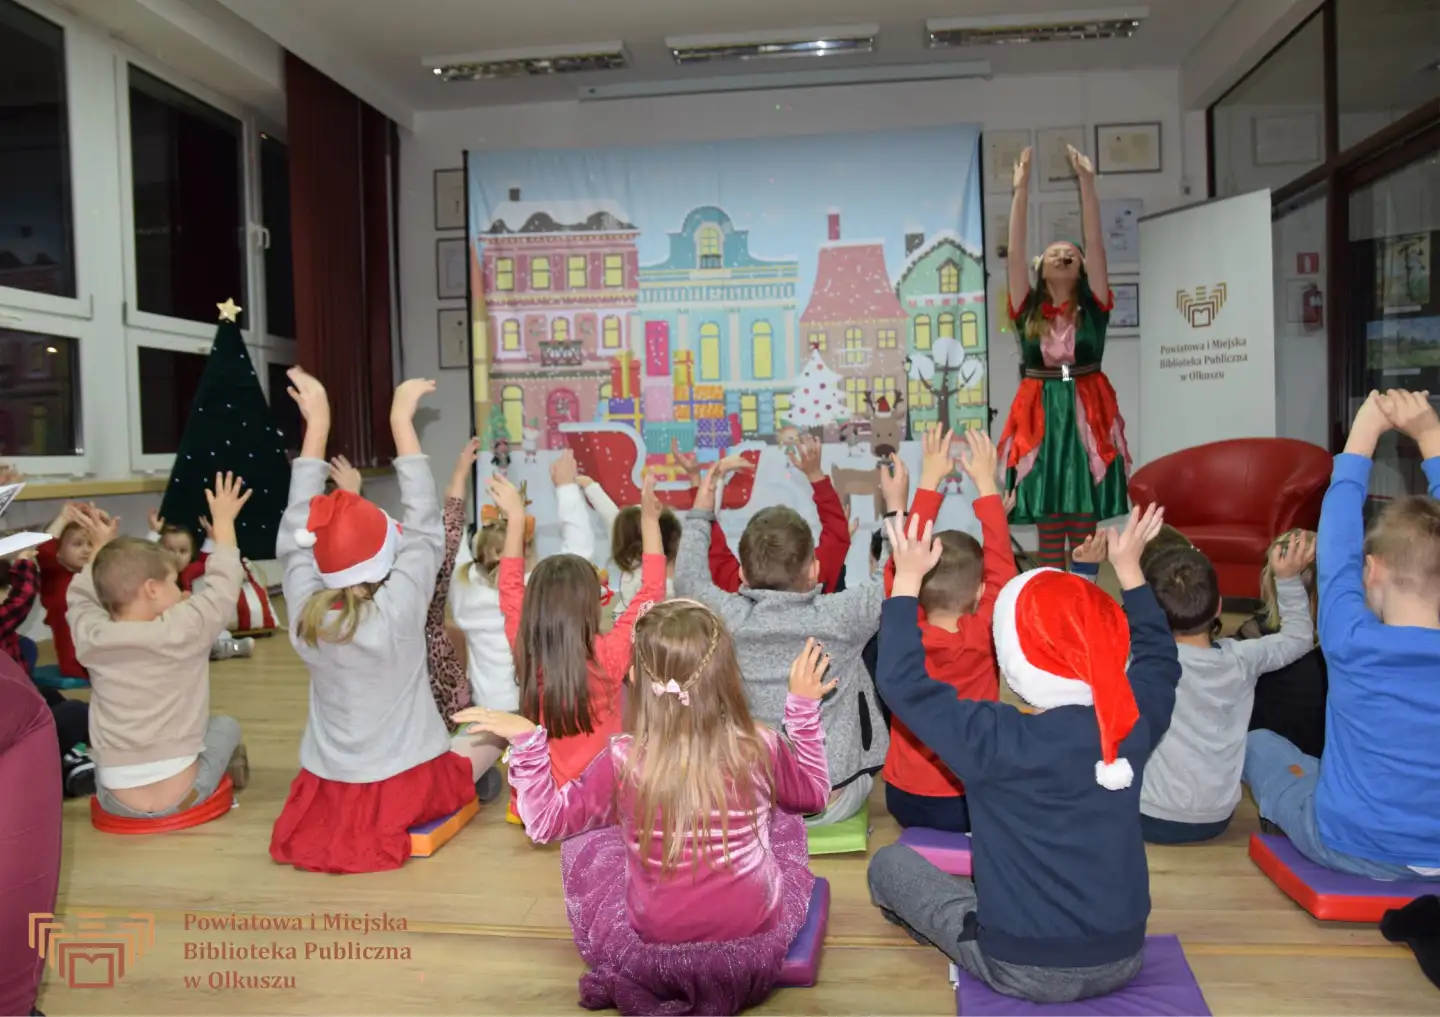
[
  {"x": 1062, "y": 641},
  {"x": 353, "y": 540}
]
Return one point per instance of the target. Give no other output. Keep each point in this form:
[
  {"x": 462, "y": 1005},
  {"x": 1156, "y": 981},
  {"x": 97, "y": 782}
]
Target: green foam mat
[
  {"x": 850, "y": 836},
  {"x": 48, "y": 676}
]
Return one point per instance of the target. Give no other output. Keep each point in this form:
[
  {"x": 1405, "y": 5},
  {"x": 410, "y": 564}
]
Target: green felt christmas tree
[{"x": 231, "y": 429}]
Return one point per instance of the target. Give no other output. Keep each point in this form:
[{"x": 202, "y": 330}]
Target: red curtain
[{"x": 343, "y": 159}]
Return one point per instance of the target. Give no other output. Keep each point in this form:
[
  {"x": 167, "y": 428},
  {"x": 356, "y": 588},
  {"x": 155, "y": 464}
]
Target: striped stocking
[
  {"x": 1052, "y": 541},
  {"x": 1078, "y": 527}
]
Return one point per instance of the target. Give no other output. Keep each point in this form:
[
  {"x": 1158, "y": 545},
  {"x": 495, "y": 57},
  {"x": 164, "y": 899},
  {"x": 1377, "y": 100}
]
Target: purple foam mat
[
  {"x": 1341, "y": 884},
  {"x": 1165, "y": 987},
  {"x": 802, "y": 960},
  {"x": 948, "y": 852},
  {"x": 433, "y": 824}
]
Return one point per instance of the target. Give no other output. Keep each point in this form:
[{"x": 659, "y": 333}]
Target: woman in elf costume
[{"x": 1064, "y": 442}]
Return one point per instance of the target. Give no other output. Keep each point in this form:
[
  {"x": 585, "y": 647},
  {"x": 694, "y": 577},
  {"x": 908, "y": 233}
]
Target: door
[{"x": 562, "y": 406}]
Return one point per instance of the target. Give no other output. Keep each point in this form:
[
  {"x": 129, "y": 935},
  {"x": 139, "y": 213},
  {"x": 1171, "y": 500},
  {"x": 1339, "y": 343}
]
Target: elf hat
[
  {"x": 355, "y": 542},
  {"x": 1062, "y": 641}
]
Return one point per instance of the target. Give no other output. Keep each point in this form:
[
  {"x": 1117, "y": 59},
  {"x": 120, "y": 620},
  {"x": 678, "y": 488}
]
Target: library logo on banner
[
  {"x": 91, "y": 951},
  {"x": 1201, "y": 306}
]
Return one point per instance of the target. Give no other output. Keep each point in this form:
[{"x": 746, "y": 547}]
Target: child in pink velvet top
[{"x": 685, "y": 867}]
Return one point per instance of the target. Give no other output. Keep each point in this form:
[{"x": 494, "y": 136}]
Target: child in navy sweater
[{"x": 1055, "y": 796}]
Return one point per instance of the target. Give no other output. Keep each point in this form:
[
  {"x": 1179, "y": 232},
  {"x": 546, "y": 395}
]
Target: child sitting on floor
[
  {"x": 957, "y": 607},
  {"x": 376, "y": 757},
  {"x": 157, "y": 749},
  {"x": 684, "y": 862},
  {"x": 570, "y": 674},
  {"x": 1057, "y": 907},
  {"x": 779, "y": 604},
  {"x": 1289, "y": 700},
  {"x": 1371, "y": 805},
  {"x": 1192, "y": 782},
  {"x": 626, "y": 545},
  {"x": 180, "y": 542},
  {"x": 60, "y": 561}
]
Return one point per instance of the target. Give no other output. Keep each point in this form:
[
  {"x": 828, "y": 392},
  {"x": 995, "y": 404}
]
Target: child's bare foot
[{"x": 239, "y": 768}]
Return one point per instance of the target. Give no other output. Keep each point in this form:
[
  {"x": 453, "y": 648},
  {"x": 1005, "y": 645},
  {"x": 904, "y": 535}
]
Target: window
[
  {"x": 504, "y": 274},
  {"x": 39, "y": 375},
  {"x": 946, "y": 325},
  {"x": 1379, "y": 52},
  {"x": 855, "y": 354},
  {"x": 539, "y": 273},
  {"x": 817, "y": 341},
  {"x": 560, "y": 330},
  {"x": 168, "y": 382},
  {"x": 855, "y": 396},
  {"x": 920, "y": 397},
  {"x": 762, "y": 360},
  {"x": 36, "y": 239},
  {"x": 187, "y": 182},
  {"x": 614, "y": 270},
  {"x": 710, "y": 351},
  {"x": 969, "y": 330},
  {"x": 283, "y": 410},
  {"x": 922, "y": 332},
  {"x": 279, "y": 267},
  {"x": 708, "y": 247},
  {"x": 884, "y": 386},
  {"x": 576, "y": 272},
  {"x": 886, "y": 338},
  {"x": 782, "y": 409},
  {"x": 611, "y": 335},
  {"x": 512, "y": 406},
  {"x": 749, "y": 412},
  {"x": 949, "y": 278},
  {"x": 510, "y": 335}
]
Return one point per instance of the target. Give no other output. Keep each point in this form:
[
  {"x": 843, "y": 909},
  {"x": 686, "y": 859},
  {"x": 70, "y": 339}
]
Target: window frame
[
  {"x": 606, "y": 331},
  {"x": 615, "y": 262},
  {"x": 762, "y": 340},
  {"x": 543, "y": 259},
  {"x": 929, "y": 332},
  {"x": 508, "y": 261},
  {"x": 574, "y": 263},
  {"x": 750, "y": 409},
  {"x": 709, "y": 342},
  {"x": 258, "y": 243},
  {"x": 61, "y": 327}
]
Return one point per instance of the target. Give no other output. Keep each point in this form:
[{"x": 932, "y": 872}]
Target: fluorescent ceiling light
[
  {"x": 1055, "y": 26},
  {"x": 536, "y": 61},
  {"x": 792, "y": 42},
  {"x": 789, "y": 79}
]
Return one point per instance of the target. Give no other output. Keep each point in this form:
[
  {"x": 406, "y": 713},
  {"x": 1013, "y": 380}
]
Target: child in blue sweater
[
  {"x": 1370, "y": 806},
  {"x": 1054, "y": 796}
]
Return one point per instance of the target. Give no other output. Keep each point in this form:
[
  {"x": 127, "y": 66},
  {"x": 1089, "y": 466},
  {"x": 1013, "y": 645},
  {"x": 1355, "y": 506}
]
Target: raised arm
[
  {"x": 802, "y": 774},
  {"x": 422, "y": 537},
  {"x": 1154, "y": 668},
  {"x": 613, "y": 649},
  {"x": 1017, "y": 261},
  {"x": 83, "y": 610},
  {"x": 510, "y": 577},
  {"x": 600, "y": 501},
  {"x": 692, "y": 564},
  {"x": 576, "y": 536},
  {"x": 1297, "y": 629},
  {"x": 1340, "y": 543},
  {"x": 456, "y": 496},
  {"x": 1097, "y": 269},
  {"x": 307, "y": 480}
]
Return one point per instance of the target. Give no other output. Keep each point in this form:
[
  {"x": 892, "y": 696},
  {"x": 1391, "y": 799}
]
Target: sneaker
[
  {"x": 1270, "y": 828},
  {"x": 239, "y": 768},
  {"x": 225, "y": 649},
  {"x": 77, "y": 770},
  {"x": 489, "y": 786}
]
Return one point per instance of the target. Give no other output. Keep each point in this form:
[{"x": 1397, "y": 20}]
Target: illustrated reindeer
[{"x": 887, "y": 423}]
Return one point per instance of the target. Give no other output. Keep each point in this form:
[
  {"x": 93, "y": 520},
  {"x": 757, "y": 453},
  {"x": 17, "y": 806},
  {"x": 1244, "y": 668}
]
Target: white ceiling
[{"x": 387, "y": 39}]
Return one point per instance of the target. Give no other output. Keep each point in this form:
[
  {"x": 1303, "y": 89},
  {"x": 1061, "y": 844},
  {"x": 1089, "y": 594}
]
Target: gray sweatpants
[
  {"x": 847, "y": 801},
  {"x": 222, "y": 738},
  {"x": 932, "y": 906}
]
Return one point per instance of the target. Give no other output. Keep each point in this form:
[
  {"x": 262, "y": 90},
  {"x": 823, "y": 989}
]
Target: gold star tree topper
[{"x": 229, "y": 310}]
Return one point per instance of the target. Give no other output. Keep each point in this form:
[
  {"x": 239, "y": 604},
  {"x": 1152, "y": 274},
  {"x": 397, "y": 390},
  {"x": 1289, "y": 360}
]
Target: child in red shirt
[
  {"x": 957, "y": 605},
  {"x": 60, "y": 561}
]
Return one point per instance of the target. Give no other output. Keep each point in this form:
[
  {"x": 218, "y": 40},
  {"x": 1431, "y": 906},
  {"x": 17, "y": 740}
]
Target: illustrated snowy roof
[
  {"x": 851, "y": 284},
  {"x": 926, "y": 249},
  {"x": 581, "y": 215}
]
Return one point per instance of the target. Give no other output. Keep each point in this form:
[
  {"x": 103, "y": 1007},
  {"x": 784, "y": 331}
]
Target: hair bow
[
  {"x": 672, "y": 687},
  {"x": 489, "y": 515},
  {"x": 640, "y": 612}
]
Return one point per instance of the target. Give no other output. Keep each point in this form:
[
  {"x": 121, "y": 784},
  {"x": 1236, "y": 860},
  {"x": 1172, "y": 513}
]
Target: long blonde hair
[
  {"x": 1267, "y": 585},
  {"x": 689, "y": 761},
  {"x": 348, "y": 605}
]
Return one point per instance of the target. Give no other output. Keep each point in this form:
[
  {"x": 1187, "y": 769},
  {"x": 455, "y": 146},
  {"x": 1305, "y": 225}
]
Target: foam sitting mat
[
  {"x": 948, "y": 852},
  {"x": 48, "y": 676},
  {"x": 219, "y": 803},
  {"x": 427, "y": 838},
  {"x": 801, "y": 968},
  {"x": 849, "y": 836},
  {"x": 1165, "y": 987},
  {"x": 1329, "y": 895}
]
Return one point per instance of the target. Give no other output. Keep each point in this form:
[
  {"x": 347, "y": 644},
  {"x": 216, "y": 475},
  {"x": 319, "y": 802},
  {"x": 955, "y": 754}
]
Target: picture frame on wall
[
  {"x": 449, "y": 199},
  {"x": 454, "y": 333},
  {"x": 1125, "y": 316},
  {"x": 1128, "y": 148},
  {"x": 1051, "y": 165},
  {"x": 450, "y": 268},
  {"x": 1060, "y": 221},
  {"x": 997, "y": 232},
  {"x": 1002, "y": 151}
]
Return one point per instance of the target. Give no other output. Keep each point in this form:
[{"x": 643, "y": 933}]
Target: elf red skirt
[{"x": 333, "y": 826}]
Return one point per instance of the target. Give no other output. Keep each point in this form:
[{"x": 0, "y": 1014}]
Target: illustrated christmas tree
[
  {"x": 231, "y": 430},
  {"x": 819, "y": 396}
]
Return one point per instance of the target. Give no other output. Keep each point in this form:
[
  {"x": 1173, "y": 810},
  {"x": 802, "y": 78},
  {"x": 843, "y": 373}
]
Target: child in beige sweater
[{"x": 147, "y": 646}]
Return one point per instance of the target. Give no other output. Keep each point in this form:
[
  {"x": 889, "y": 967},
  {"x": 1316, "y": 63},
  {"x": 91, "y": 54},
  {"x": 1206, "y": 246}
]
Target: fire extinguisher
[{"x": 1312, "y": 308}]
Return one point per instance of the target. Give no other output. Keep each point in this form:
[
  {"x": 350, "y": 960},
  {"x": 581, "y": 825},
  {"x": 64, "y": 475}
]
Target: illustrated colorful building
[
  {"x": 855, "y": 319},
  {"x": 942, "y": 290},
  {"x": 721, "y": 338},
  {"x": 559, "y": 281}
]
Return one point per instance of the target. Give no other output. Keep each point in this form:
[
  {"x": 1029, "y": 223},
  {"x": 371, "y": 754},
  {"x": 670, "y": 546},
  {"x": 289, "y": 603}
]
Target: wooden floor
[{"x": 485, "y": 928}]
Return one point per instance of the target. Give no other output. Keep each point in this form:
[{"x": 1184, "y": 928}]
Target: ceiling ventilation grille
[
  {"x": 802, "y": 42},
  {"x": 536, "y": 63},
  {"x": 1067, "y": 26}
]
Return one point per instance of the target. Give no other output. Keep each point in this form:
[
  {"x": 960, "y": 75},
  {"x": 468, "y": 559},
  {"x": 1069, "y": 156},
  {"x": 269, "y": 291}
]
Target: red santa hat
[
  {"x": 1062, "y": 641},
  {"x": 354, "y": 541}
]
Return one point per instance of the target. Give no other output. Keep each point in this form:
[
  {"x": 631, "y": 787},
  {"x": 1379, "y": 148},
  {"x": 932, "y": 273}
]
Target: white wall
[{"x": 1005, "y": 103}]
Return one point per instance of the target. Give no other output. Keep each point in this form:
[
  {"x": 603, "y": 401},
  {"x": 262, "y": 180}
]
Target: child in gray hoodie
[
  {"x": 1192, "y": 782},
  {"x": 779, "y": 606}
]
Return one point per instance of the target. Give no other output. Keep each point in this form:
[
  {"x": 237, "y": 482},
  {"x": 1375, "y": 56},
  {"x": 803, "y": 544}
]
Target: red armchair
[{"x": 1232, "y": 498}]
